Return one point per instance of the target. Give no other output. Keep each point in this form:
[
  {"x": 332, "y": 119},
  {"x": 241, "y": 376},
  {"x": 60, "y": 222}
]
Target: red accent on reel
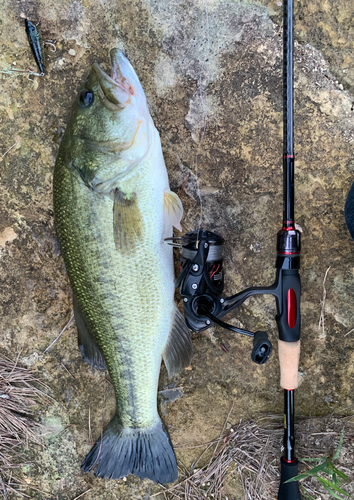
[
  {"x": 288, "y": 253},
  {"x": 292, "y": 308},
  {"x": 216, "y": 270}
]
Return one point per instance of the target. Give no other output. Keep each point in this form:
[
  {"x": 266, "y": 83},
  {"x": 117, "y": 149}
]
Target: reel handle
[{"x": 262, "y": 348}]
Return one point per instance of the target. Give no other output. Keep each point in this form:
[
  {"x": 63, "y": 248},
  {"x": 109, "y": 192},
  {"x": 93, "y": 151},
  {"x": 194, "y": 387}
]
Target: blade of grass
[
  {"x": 332, "y": 493},
  {"x": 340, "y": 444},
  {"x": 338, "y": 472},
  {"x": 332, "y": 486}
]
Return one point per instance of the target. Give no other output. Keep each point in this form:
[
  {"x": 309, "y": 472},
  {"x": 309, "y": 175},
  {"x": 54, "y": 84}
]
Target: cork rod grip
[{"x": 289, "y": 356}]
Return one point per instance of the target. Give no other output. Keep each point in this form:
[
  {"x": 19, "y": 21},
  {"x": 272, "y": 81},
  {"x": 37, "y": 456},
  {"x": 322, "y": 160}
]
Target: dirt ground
[{"x": 201, "y": 62}]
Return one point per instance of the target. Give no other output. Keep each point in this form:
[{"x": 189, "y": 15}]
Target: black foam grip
[{"x": 288, "y": 491}]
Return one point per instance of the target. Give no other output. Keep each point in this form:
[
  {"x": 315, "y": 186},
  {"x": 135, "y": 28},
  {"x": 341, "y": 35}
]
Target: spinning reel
[{"x": 201, "y": 283}]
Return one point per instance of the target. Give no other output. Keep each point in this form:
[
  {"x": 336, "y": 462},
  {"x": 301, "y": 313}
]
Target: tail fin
[{"x": 147, "y": 453}]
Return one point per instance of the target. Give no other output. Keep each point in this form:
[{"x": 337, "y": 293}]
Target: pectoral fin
[
  {"x": 178, "y": 352},
  {"x": 127, "y": 221},
  {"x": 172, "y": 209},
  {"x": 89, "y": 349}
]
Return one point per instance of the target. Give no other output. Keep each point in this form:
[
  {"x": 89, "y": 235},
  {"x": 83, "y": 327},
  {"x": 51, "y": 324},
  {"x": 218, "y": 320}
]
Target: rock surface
[{"x": 212, "y": 73}]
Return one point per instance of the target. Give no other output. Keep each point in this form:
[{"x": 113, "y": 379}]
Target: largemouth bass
[{"x": 113, "y": 208}]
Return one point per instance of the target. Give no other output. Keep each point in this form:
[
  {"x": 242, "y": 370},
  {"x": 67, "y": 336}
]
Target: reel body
[
  {"x": 201, "y": 278},
  {"x": 201, "y": 283}
]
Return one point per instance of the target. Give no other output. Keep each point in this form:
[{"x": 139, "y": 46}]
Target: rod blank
[{"x": 288, "y": 114}]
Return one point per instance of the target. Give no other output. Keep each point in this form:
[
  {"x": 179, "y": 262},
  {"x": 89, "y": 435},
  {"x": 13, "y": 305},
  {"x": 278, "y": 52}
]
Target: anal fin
[
  {"x": 178, "y": 352},
  {"x": 90, "y": 351}
]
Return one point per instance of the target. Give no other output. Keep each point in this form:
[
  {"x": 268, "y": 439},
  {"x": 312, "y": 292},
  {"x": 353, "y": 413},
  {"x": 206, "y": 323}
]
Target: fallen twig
[
  {"x": 84, "y": 493},
  {"x": 89, "y": 426},
  {"x": 321, "y": 322},
  {"x": 61, "y": 333},
  {"x": 71, "y": 375},
  {"x": 9, "y": 150},
  {"x": 350, "y": 331},
  {"x": 18, "y": 72}
]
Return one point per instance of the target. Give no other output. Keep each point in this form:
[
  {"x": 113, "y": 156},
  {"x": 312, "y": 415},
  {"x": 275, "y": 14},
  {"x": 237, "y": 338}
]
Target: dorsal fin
[{"x": 172, "y": 209}]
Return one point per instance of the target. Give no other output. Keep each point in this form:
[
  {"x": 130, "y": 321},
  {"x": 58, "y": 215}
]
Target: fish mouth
[
  {"x": 120, "y": 70},
  {"x": 117, "y": 89}
]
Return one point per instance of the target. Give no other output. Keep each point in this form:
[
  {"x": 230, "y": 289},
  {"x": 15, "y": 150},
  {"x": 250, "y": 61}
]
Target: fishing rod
[
  {"x": 289, "y": 345},
  {"x": 201, "y": 280}
]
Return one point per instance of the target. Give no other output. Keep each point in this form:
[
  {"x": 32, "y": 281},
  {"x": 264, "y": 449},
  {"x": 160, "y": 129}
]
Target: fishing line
[{"x": 200, "y": 91}]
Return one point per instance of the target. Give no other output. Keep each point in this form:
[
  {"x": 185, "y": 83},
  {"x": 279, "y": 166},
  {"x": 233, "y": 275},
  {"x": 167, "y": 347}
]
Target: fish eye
[{"x": 86, "y": 98}]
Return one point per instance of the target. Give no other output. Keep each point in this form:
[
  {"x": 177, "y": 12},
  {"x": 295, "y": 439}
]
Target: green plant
[{"x": 332, "y": 486}]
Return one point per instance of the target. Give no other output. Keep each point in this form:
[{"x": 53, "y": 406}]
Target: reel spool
[{"x": 201, "y": 283}]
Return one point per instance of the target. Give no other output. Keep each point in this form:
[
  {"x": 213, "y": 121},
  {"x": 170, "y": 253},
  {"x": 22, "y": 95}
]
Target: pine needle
[
  {"x": 18, "y": 396},
  {"x": 251, "y": 449}
]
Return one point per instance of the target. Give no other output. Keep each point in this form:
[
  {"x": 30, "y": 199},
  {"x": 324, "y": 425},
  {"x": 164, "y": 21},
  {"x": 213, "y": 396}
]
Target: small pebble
[
  {"x": 72, "y": 52},
  {"x": 341, "y": 87},
  {"x": 14, "y": 63},
  {"x": 124, "y": 478}
]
